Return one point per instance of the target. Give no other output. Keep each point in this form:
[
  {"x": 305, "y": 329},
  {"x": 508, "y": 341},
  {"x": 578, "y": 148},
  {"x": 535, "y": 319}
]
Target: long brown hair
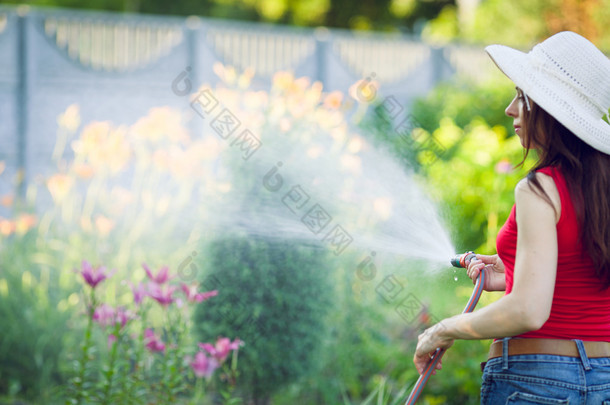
[{"x": 587, "y": 174}]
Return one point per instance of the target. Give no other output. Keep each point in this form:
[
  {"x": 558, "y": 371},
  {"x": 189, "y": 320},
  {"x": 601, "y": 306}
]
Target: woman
[{"x": 552, "y": 327}]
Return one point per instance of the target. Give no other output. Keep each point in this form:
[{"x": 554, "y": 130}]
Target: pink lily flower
[
  {"x": 122, "y": 316},
  {"x": 193, "y": 296},
  {"x": 223, "y": 347},
  {"x": 139, "y": 292},
  {"x": 111, "y": 339},
  {"x": 93, "y": 276},
  {"x": 153, "y": 343},
  {"x": 106, "y": 315},
  {"x": 161, "y": 277},
  {"x": 163, "y": 295},
  {"x": 204, "y": 366}
]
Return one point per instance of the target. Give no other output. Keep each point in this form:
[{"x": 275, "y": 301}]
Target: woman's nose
[{"x": 513, "y": 109}]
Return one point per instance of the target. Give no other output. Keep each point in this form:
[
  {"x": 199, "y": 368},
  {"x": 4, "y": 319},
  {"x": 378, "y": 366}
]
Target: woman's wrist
[{"x": 446, "y": 329}]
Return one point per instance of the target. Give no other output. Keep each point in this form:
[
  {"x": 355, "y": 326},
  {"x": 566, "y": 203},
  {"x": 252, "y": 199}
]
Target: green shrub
[
  {"x": 31, "y": 343},
  {"x": 274, "y": 296}
]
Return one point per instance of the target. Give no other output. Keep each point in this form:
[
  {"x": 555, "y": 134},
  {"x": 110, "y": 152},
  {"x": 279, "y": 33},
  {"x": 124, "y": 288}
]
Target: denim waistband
[{"x": 580, "y": 346}]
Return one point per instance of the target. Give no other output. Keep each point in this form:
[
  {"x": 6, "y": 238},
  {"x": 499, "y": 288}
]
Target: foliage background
[{"x": 519, "y": 23}]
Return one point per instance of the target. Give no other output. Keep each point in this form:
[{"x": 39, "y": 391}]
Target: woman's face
[{"x": 515, "y": 110}]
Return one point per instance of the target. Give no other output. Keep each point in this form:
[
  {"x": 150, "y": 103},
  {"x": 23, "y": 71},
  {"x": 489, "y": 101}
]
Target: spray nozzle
[{"x": 463, "y": 260}]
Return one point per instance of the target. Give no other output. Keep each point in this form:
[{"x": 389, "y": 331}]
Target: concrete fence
[{"x": 117, "y": 66}]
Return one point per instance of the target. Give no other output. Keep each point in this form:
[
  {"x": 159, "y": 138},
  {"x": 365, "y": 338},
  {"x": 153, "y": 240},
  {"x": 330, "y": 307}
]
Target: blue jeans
[{"x": 546, "y": 379}]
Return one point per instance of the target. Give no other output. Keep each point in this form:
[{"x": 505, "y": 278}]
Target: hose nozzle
[{"x": 463, "y": 260}]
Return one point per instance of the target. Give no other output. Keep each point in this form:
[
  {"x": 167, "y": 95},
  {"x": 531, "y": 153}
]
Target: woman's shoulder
[
  {"x": 551, "y": 171},
  {"x": 526, "y": 189},
  {"x": 545, "y": 178}
]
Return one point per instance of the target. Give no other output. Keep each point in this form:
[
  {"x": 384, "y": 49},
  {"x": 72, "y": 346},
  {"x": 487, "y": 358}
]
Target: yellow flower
[
  {"x": 91, "y": 138},
  {"x": 231, "y": 100},
  {"x": 83, "y": 170},
  {"x": 24, "y": 223},
  {"x": 7, "y": 200},
  {"x": 226, "y": 73},
  {"x": 333, "y": 100},
  {"x": 70, "y": 119},
  {"x": 244, "y": 80},
  {"x": 297, "y": 107},
  {"x": 7, "y": 227},
  {"x": 91, "y": 142},
  {"x": 328, "y": 119},
  {"x": 301, "y": 84},
  {"x": 104, "y": 225},
  {"x": 117, "y": 150},
  {"x": 313, "y": 94},
  {"x": 230, "y": 75},
  {"x": 255, "y": 100},
  {"x": 103, "y": 147},
  {"x": 207, "y": 149},
  {"x": 160, "y": 123},
  {"x": 184, "y": 163},
  {"x": 283, "y": 80},
  {"x": 160, "y": 159},
  {"x": 59, "y": 186}
]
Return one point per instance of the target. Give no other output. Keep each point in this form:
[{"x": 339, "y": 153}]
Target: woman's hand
[
  {"x": 494, "y": 272},
  {"x": 427, "y": 343}
]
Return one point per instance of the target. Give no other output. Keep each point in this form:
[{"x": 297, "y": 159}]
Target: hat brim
[
  {"x": 510, "y": 61},
  {"x": 547, "y": 93}
]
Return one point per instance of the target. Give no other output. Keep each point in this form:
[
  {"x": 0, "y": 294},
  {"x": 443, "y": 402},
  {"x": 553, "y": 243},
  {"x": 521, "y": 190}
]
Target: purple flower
[
  {"x": 503, "y": 167},
  {"x": 153, "y": 343},
  {"x": 204, "y": 366},
  {"x": 106, "y": 315},
  {"x": 111, "y": 339},
  {"x": 223, "y": 347},
  {"x": 93, "y": 276},
  {"x": 161, "y": 277},
  {"x": 193, "y": 296},
  {"x": 139, "y": 292},
  {"x": 162, "y": 294},
  {"x": 122, "y": 316}
]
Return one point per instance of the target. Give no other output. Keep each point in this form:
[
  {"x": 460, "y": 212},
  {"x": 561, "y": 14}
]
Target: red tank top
[{"x": 580, "y": 309}]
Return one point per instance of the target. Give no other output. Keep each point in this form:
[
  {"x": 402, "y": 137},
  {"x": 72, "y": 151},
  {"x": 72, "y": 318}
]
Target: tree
[
  {"x": 522, "y": 23},
  {"x": 405, "y": 15}
]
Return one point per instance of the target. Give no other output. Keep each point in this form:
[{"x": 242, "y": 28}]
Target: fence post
[
  {"x": 193, "y": 32},
  {"x": 22, "y": 100},
  {"x": 321, "y": 36}
]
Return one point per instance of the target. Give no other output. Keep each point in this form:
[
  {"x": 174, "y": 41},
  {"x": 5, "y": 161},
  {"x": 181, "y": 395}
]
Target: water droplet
[{"x": 454, "y": 278}]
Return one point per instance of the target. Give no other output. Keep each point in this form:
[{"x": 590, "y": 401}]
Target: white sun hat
[{"x": 569, "y": 78}]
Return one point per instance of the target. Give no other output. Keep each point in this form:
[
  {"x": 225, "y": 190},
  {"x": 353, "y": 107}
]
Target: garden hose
[{"x": 457, "y": 261}]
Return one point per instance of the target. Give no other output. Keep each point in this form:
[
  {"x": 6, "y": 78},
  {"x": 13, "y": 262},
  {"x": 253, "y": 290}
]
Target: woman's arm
[{"x": 528, "y": 306}]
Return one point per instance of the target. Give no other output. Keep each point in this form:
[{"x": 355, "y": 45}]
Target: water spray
[{"x": 461, "y": 261}]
